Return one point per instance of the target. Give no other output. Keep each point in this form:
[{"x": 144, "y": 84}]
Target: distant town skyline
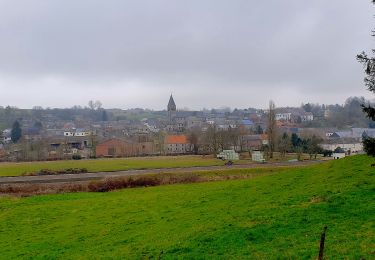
[
  {"x": 182, "y": 108},
  {"x": 209, "y": 54}
]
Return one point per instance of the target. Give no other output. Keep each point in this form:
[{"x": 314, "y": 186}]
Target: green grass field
[
  {"x": 275, "y": 216},
  {"x": 122, "y": 164},
  {"x": 16, "y": 169}
]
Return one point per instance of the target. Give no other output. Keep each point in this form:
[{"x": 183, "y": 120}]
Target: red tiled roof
[{"x": 176, "y": 139}]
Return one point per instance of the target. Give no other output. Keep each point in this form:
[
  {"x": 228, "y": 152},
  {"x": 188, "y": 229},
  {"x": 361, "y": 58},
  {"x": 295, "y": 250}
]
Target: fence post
[{"x": 322, "y": 238}]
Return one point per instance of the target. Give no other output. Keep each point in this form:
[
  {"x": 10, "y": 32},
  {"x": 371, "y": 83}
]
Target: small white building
[
  {"x": 338, "y": 156},
  {"x": 6, "y": 136},
  {"x": 68, "y": 133},
  {"x": 283, "y": 116},
  {"x": 152, "y": 128},
  {"x": 77, "y": 132},
  {"x": 82, "y": 132},
  {"x": 306, "y": 117}
]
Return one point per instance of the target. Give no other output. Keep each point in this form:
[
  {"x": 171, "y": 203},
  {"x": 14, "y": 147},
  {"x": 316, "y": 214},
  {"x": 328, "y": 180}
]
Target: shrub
[
  {"x": 29, "y": 189},
  {"x": 327, "y": 153},
  {"x": 46, "y": 172},
  {"x": 109, "y": 184},
  {"x": 76, "y": 157},
  {"x": 54, "y": 172},
  {"x": 73, "y": 171}
]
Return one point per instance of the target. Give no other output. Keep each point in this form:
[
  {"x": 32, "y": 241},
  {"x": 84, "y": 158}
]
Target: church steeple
[
  {"x": 171, "y": 109},
  {"x": 171, "y": 104}
]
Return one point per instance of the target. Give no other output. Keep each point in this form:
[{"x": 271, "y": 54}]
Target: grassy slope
[
  {"x": 279, "y": 215},
  {"x": 15, "y": 169}
]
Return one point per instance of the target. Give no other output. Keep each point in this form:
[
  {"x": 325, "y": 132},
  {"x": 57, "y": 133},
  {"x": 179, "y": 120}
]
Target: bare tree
[
  {"x": 211, "y": 139},
  {"x": 98, "y": 104},
  {"x": 93, "y": 143},
  {"x": 95, "y": 105},
  {"x": 234, "y": 138},
  {"x": 91, "y": 104},
  {"x": 272, "y": 130},
  {"x": 159, "y": 141},
  {"x": 194, "y": 139},
  {"x": 285, "y": 144}
]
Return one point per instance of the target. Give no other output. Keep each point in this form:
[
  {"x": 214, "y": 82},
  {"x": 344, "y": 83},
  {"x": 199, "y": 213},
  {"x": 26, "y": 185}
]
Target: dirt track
[{"x": 100, "y": 175}]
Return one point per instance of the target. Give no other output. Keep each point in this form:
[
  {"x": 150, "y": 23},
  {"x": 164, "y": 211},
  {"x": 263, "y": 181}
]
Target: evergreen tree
[
  {"x": 16, "y": 132},
  {"x": 104, "y": 115},
  {"x": 369, "y": 65},
  {"x": 369, "y": 146},
  {"x": 296, "y": 141},
  {"x": 259, "y": 130}
]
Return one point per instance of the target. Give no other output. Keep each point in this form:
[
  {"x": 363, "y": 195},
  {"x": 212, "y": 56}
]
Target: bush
[
  {"x": 110, "y": 184},
  {"x": 55, "y": 172},
  {"x": 327, "y": 153},
  {"x": 120, "y": 183},
  {"x": 73, "y": 171},
  {"x": 29, "y": 189},
  {"x": 369, "y": 146},
  {"x": 76, "y": 157}
]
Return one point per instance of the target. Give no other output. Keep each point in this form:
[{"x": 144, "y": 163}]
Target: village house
[
  {"x": 151, "y": 128},
  {"x": 283, "y": 116},
  {"x": 177, "y": 144},
  {"x": 246, "y": 125},
  {"x": 6, "y": 136},
  {"x": 194, "y": 122},
  {"x": 253, "y": 142},
  {"x": 354, "y": 133},
  {"x": 117, "y": 147},
  {"x": 77, "y": 132},
  {"x": 307, "y": 116},
  {"x": 69, "y": 145}
]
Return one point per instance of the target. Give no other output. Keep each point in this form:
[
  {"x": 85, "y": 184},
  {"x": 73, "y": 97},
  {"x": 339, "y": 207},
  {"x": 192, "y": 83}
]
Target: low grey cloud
[{"x": 208, "y": 53}]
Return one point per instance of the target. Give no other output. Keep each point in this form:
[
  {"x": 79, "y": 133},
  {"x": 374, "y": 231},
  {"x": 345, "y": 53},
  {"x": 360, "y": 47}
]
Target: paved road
[{"x": 100, "y": 175}]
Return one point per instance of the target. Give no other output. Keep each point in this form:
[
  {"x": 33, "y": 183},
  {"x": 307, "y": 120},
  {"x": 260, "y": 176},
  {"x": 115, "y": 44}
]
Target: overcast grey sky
[{"x": 208, "y": 53}]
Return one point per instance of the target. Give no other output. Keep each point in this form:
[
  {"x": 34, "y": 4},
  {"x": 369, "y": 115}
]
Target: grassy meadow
[
  {"x": 117, "y": 164},
  {"x": 123, "y": 164},
  {"x": 274, "y": 216}
]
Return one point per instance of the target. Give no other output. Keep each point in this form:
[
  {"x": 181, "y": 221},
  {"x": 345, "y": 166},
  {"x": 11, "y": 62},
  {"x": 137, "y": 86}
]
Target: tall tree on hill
[
  {"x": 16, "y": 132},
  {"x": 271, "y": 131},
  {"x": 95, "y": 105},
  {"x": 369, "y": 65}
]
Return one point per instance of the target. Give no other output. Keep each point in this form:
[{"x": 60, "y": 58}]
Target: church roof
[{"x": 171, "y": 104}]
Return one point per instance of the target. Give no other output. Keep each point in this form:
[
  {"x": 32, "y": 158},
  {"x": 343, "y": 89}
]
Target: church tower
[{"x": 171, "y": 108}]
